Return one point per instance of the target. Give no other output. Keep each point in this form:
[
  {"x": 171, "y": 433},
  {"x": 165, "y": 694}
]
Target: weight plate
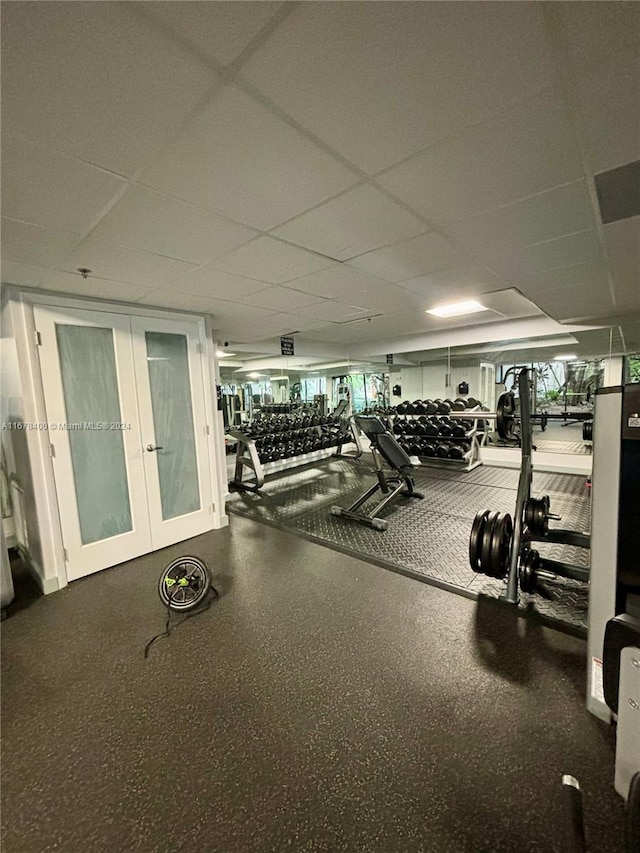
[
  {"x": 529, "y": 564},
  {"x": 506, "y": 415},
  {"x": 475, "y": 537},
  {"x": 500, "y": 547},
  {"x": 486, "y": 542}
]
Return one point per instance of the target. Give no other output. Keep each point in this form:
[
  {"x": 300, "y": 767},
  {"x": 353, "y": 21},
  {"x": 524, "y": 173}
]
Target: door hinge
[
  {"x": 213, "y": 508},
  {"x": 38, "y": 339},
  {"x": 207, "y": 428},
  {"x": 52, "y": 450},
  {"x": 65, "y": 555}
]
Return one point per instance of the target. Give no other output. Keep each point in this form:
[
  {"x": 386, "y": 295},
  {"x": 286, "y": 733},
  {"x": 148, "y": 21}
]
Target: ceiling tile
[
  {"x": 358, "y": 220},
  {"x": 423, "y": 254},
  {"x": 510, "y": 303},
  {"x": 563, "y": 252},
  {"x": 609, "y": 104},
  {"x": 219, "y": 30},
  {"x": 283, "y": 299},
  {"x": 454, "y": 284},
  {"x": 57, "y": 192},
  {"x": 331, "y": 310},
  {"x": 64, "y": 282},
  {"x": 119, "y": 263},
  {"x": 594, "y": 33},
  {"x": 96, "y": 79},
  {"x": 146, "y": 220},
  {"x": 216, "y": 307},
  {"x": 24, "y": 275},
  {"x": 570, "y": 292},
  {"x": 552, "y": 214},
  {"x": 30, "y": 244},
  {"x": 214, "y": 284},
  {"x": 354, "y": 73},
  {"x": 563, "y": 306},
  {"x": 337, "y": 282},
  {"x": 622, "y": 240},
  {"x": 242, "y": 161},
  {"x": 518, "y": 152},
  {"x": 266, "y": 259}
]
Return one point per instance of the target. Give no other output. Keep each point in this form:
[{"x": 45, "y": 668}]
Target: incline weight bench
[{"x": 384, "y": 447}]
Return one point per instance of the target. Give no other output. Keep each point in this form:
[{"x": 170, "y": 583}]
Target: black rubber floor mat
[{"x": 427, "y": 539}]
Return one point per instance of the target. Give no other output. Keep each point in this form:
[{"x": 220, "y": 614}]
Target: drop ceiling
[{"x": 328, "y": 170}]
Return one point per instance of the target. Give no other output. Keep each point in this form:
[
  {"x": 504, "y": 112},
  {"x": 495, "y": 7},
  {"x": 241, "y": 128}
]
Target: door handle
[{"x": 151, "y": 447}]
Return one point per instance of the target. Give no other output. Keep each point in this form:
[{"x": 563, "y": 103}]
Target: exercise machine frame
[{"x": 384, "y": 448}]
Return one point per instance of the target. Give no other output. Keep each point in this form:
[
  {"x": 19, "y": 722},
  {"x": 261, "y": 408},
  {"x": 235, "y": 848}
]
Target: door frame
[{"x": 51, "y": 572}]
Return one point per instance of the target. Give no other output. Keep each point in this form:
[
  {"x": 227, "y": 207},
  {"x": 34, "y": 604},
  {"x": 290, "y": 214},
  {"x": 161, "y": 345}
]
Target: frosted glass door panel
[
  {"x": 168, "y": 365},
  {"x": 90, "y": 386},
  {"x": 87, "y": 367}
]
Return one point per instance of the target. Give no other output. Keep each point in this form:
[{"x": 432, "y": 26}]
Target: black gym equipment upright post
[{"x": 524, "y": 485}]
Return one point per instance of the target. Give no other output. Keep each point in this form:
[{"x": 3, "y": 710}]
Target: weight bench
[{"x": 384, "y": 448}]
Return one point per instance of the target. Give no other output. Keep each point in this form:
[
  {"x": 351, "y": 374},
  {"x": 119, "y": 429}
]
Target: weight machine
[
  {"x": 501, "y": 546},
  {"x": 613, "y": 663},
  {"x": 384, "y": 447}
]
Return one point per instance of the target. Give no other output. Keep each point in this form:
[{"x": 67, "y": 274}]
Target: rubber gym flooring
[
  {"x": 323, "y": 704},
  {"x": 427, "y": 539}
]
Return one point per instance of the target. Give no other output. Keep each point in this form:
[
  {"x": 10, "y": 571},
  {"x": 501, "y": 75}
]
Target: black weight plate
[
  {"x": 528, "y": 570},
  {"x": 442, "y": 449},
  {"x": 475, "y": 538},
  {"x": 501, "y": 546},
  {"x": 431, "y": 407},
  {"x": 487, "y": 541},
  {"x": 428, "y": 449},
  {"x": 456, "y": 452},
  {"x": 505, "y": 415}
]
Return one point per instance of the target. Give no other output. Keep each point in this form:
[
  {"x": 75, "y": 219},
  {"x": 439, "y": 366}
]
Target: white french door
[
  {"x": 126, "y": 414},
  {"x": 169, "y": 379}
]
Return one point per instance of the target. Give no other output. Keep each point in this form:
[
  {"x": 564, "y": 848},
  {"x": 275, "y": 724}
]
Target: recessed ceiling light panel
[{"x": 456, "y": 309}]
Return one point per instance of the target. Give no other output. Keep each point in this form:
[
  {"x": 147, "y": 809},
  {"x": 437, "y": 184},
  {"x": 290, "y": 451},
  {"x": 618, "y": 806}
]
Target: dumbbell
[
  {"x": 428, "y": 449},
  {"x": 458, "y": 405},
  {"x": 398, "y": 427},
  {"x": 401, "y": 408},
  {"x": 457, "y": 430},
  {"x": 442, "y": 449},
  {"x": 445, "y": 429},
  {"x": 456, "y": 451},
  {"x": 431, "y": 407},
  {"x": 415, "y": 448},
  {"x": 430, "y": 429},
  {"x": 443, "y": 407}
]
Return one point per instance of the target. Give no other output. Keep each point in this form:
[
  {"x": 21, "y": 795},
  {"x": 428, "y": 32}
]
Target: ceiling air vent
[{"x": 619, "y": 192}]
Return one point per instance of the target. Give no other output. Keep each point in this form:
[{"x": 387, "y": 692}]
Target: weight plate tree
[{"x": 499, "y": 546}]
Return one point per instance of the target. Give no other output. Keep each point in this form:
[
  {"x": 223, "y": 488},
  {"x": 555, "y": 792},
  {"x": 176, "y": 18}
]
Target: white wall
[
  {"x": 24, "y": 519},
  {"x": 428, "y": 381}
]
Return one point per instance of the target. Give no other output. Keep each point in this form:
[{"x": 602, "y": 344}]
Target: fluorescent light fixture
[
  {"x": 222, "y": 354},
  {"x": 455, "y": 309},
  {"x": 565, "y": 357}
]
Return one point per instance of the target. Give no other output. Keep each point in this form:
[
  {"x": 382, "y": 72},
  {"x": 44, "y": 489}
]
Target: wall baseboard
[{"x": 47, "y": 585}]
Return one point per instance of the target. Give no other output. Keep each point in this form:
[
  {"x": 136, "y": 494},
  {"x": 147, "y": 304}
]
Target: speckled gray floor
[
  {"x": 429, "y": 538},
  {"x": 323, "y": 704}
]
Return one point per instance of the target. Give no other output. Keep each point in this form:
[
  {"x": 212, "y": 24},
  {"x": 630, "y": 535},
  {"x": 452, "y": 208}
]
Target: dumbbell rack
[
  {"x": 471, "y": 458},
  {"x": 250, "y": 471}
]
